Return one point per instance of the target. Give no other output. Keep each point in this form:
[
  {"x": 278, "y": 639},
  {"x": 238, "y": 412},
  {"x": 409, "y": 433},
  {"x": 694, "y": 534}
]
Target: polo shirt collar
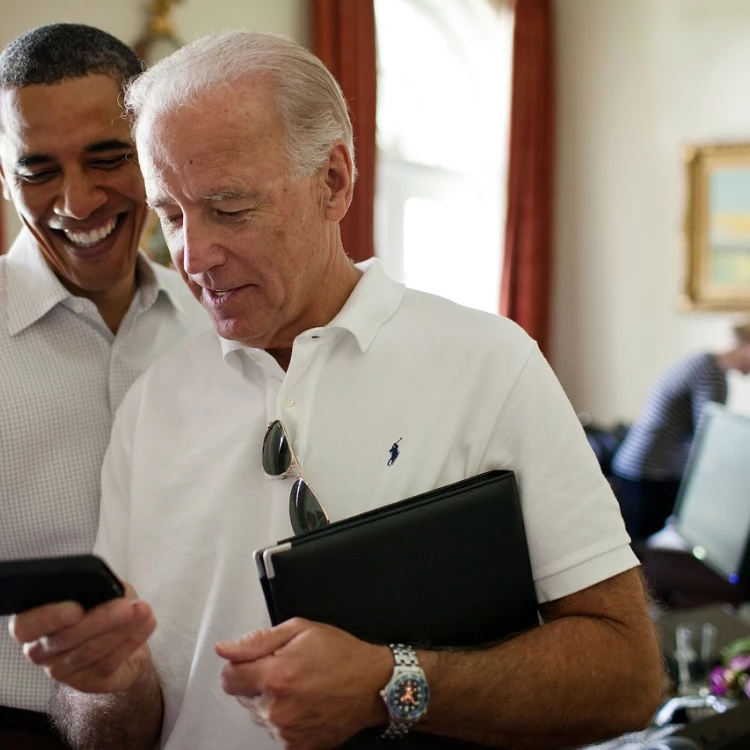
[
  {"x": 33, "y": 289},
  {"x": 372, "y": 302},
  {"x": 152, "y": 282}
]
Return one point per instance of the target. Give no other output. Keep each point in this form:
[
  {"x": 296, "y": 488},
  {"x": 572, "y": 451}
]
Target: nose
[
  {"x": 79, "y": 197},
  {"x": 200, "y": 250}
]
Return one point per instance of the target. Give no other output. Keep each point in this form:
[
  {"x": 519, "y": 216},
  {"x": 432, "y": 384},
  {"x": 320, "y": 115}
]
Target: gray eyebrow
[
  {"x": 228, "y": 195},
  {"x": 224, "y": 195},
  {"x": 158, "y": 203}
]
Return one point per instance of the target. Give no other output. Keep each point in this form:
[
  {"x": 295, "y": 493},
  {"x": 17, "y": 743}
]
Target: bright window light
[{"x": 443, "y": 108}]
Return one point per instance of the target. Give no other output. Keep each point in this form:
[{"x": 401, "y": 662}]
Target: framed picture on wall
[
  {"x": 158, "y": 40},
  {"x": 717, "y": 227}
]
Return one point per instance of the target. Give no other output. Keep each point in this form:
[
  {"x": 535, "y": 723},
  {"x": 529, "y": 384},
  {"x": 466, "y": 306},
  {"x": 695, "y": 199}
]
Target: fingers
[
  {"x": 103, "y": 618},
  {"x": 99, "y": 646},
  {"x": 103, "y": 650},
  {"x": 309, "y": 684},
  {"x": 249, "y": 669},
  {"x": 260, "y": 643},
  {"x": 260, "y": 713},
  {"x": 243, "y": 678},
  {"x": 244, "y": 674},
  {"x": 35, "y": 623},
  {"x": 109, "y": 671},
  {"x": 258, "y": 708}
]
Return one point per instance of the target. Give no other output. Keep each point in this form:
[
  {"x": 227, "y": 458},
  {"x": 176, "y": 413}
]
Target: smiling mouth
[{"x": 92, "y": 236}]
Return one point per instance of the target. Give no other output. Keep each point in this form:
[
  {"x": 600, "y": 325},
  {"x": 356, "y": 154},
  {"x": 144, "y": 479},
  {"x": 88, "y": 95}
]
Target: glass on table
[{"x": 695, "y": 654}]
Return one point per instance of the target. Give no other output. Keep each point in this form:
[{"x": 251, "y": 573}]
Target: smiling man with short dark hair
[{"x": 82, "y": 312}]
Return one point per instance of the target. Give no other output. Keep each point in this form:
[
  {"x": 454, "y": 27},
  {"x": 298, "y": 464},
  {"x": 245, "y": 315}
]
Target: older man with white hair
[{"x": 246, "y": 149}]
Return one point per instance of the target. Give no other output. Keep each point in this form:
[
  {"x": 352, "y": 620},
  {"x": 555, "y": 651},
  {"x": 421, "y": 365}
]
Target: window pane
[
  {"x": 443, "y": 109},
  {"x": 442, "y": 255},
  {"x": 444, "y": 73}
]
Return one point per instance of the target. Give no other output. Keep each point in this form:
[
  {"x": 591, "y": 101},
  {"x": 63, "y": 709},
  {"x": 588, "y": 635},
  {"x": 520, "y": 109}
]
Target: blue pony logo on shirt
[{"x": 394, "y": 452}]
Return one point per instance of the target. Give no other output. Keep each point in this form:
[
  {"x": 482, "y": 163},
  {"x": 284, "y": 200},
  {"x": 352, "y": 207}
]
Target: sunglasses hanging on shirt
[{"x": 305, "y": 511}]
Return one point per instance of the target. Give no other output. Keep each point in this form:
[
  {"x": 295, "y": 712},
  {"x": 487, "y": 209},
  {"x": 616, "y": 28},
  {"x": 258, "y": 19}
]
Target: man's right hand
[{"x": 100, "y": 651}]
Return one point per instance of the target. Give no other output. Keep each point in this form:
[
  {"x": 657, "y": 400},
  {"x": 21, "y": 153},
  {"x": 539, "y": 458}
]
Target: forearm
[
  {"x": 127, "y": 720},
  {"x": 575, "y": 680}
]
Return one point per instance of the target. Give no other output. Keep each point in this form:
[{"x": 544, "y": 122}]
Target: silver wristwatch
[{"x": 406, "y": 694}]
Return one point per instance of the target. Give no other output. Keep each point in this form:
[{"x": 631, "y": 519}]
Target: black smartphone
[{"x": 86, "y": 579}]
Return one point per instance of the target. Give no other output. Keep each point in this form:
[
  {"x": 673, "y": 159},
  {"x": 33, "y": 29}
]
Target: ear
[{"x": 338, "y": 182}]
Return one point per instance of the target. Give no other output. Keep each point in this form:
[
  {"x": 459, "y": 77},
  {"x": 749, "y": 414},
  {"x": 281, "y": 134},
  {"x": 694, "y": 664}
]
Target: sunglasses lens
[
  {"x": 277, "y": 457},
  {"x": 305, "y": 512}
]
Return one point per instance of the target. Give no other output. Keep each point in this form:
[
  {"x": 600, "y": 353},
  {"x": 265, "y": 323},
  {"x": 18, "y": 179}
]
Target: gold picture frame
[
  {"x": 717, "y": 228},
  {"x": 158, "y": 40}
]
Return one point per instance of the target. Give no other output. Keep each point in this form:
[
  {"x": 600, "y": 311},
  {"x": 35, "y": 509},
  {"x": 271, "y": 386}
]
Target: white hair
[{"x": 309, "y": 99}]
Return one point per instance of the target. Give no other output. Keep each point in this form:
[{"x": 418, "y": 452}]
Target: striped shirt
[
  {"x": 657, "y": 445},
  {"x": 63, "y": 374}
]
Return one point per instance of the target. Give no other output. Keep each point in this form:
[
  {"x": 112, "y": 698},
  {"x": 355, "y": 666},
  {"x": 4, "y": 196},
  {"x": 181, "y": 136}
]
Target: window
[{"x": 443, "y": 110}]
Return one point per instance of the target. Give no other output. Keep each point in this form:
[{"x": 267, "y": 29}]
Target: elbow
[
  {"x": 643, "y": 695},
  {"x": 642, "y": 711},
  {"x": 653, "y": 693}
]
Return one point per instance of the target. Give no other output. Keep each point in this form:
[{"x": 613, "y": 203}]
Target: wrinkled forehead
[
  {"x": 187, "y": 157},
  {"x": 248, "y": 107},
  {"x": 247, "y": 126}
]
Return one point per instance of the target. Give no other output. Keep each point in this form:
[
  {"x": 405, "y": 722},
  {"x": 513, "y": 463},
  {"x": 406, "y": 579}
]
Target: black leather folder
[{"x": 447, "y": 568}]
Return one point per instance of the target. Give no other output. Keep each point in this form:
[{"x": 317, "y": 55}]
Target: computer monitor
[{"x": 713, "y": 505}]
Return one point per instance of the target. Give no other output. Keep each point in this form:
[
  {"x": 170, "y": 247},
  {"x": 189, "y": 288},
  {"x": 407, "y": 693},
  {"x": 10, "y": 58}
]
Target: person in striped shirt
[{"x": 649, "y": 463}]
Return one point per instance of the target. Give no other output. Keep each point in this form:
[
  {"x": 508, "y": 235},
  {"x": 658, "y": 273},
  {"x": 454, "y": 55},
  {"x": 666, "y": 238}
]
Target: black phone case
[{"x": 86, "y": 579}]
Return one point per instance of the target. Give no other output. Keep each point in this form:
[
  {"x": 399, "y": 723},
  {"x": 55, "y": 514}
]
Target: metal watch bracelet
[{"x": 406, "y": 667}]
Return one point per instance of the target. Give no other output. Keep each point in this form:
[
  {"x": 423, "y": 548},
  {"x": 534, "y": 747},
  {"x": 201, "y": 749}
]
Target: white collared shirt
[
  {"x": 63, "y": 373},
  {"x": 185, "y": 500}
]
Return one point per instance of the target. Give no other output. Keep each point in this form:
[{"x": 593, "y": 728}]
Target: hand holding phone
[
  {"x": 61, "y": 638},
  {"x": 26, "y": 584}
]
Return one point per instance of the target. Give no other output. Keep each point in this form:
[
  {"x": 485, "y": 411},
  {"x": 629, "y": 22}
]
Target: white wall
[
  {"x": 637, "y": 80},
  {"x": 125, "y": 20}
]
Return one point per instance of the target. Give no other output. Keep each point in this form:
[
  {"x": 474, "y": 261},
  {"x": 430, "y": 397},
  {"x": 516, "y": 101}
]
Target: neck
[
  {"x": 334, "y": 290},
  {"x": 282, "y": 356},
  {"x": 114, "y": 303},
  {"x": 731, "y": 360}
]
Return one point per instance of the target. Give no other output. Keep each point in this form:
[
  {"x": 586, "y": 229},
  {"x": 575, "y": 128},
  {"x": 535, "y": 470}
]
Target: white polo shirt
[
  {"x": 186, "y": 500},
  {"x": 63, "y": 374}
]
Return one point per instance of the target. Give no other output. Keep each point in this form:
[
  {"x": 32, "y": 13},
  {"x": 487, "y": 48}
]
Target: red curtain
[
  {"x": 527, "y": 264},
  {"x": 344, "y": 39}
]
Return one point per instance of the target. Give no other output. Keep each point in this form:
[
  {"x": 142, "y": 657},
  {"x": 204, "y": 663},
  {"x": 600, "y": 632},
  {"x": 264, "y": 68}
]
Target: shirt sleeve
[
  {"x": 711, "y": 385},
  {"x": 574, "y": 527}
]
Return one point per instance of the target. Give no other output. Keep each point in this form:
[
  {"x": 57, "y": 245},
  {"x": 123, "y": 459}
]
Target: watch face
[{"x": 408, "y": 695}]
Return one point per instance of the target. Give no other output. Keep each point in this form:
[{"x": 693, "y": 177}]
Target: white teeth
[{"x": 92, "y": 237}]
